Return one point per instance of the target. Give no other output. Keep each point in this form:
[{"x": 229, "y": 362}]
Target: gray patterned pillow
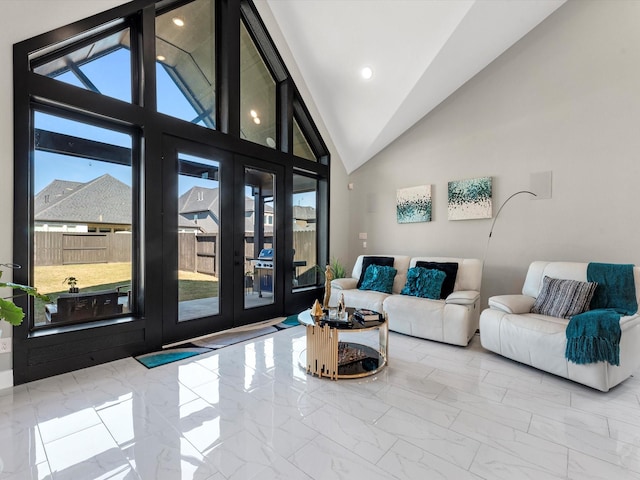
[{"x": 563, "y": 298}]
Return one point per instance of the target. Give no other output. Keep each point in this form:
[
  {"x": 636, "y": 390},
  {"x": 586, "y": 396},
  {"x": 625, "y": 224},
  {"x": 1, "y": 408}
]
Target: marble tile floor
[{"x": 249, "y": 411}]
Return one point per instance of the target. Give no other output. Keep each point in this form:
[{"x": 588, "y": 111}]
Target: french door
[{"x": 220, "y": 211}]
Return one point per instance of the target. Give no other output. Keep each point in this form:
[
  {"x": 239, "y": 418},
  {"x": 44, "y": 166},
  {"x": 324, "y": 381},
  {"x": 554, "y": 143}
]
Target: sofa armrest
[
  {"x": 344, "y": 283},
  {"x": 463, "y": 297},
  {"x": 512, "y": 303}
]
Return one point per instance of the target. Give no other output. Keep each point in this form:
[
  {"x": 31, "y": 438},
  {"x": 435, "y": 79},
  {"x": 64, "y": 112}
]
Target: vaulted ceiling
[{"x": 420, "y": 52}]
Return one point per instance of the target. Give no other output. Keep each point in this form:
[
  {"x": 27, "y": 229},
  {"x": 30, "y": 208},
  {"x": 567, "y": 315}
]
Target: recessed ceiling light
[
  {"x": 178, "y": 21},
  {"x": 256, "y": 120},
  {"x": 161, "y": 58},
  {"x": 367, "y": 73},
  {"x": 271, "y": 142}
]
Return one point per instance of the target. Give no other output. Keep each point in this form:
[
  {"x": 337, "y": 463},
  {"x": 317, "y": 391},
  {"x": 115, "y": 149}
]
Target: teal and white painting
[
  {"x": 470, "y": 199},
  {"x": 413, "y": 204}
]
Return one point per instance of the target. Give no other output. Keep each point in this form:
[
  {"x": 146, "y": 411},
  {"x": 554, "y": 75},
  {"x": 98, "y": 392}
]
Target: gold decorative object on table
[
  {"x": 316, "y": 311},
  {"x": 328, "y": 276}
]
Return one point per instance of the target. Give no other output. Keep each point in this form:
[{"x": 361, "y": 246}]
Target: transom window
[
  {"x": 186, "y": 63},
  {"x": 257, "y": 94},
  {"x": 102, "y": 65}
]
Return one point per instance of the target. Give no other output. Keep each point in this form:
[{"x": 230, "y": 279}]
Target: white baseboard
[{"x": 6, "y": 379}]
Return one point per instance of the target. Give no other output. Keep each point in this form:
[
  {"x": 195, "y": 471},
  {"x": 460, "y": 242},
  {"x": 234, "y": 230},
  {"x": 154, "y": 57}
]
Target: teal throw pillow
[
  {"x": 378, "y": 278},
  {"x": 424, "y": 282}
]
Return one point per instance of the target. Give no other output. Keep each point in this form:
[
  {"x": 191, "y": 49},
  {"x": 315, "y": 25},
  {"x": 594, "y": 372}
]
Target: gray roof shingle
[
  {"x": 108, "y": 200},
  {"x": 102, "y": 200}
]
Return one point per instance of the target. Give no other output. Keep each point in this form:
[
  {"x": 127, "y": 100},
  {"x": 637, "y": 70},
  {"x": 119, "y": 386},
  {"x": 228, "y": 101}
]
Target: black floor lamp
[{"x": 496, "y": 218}]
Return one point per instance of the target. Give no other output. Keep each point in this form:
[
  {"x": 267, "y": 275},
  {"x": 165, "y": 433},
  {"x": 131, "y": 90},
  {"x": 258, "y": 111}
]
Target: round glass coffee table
[{"x": 327, "y": 356}]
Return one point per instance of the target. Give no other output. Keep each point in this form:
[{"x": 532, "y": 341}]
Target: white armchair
[{"x": 509, "y": 328}]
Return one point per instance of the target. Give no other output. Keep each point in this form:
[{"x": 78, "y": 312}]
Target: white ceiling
[{"x": 421, "y": 51}]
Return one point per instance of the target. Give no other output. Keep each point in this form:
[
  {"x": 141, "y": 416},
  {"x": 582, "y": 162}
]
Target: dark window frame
[{"x": 44, "y": 352}]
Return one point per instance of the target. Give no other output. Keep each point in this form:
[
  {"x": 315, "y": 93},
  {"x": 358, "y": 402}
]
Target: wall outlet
[{"x": 5, "y": 345}]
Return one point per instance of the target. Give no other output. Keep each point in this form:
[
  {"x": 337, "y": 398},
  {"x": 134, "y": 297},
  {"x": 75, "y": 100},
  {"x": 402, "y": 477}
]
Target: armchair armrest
[
  {"x": 463, "y": 297},
  {"x": 512, "y": 303},
  {"x": 344, "y": 283}
]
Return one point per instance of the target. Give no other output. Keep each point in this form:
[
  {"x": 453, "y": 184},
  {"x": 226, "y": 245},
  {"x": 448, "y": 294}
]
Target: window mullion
[
  {"x": 284, "y": 125},
  {"x": 144, "y": 60},
  {"x": 228, "y": 67}
]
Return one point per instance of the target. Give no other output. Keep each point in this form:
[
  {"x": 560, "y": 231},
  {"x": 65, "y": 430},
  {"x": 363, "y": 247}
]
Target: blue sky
[{"x": 111, "y": 75}]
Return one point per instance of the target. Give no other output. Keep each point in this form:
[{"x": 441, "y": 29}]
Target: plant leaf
[
  {"x": 10, "y": 312},
  {"x": 25, "y": 288}
]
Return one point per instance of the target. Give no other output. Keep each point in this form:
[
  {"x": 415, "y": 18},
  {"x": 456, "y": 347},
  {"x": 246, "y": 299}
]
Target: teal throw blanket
[{"x": 594, "y": 335}]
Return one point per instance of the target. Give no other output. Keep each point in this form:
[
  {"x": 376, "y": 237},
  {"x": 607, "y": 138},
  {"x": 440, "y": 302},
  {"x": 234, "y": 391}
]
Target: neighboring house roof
[
  {"x": 304, "y": 213},
  {"x": 102, "y": 200},
  {"x": 184, "y": 222},
  {"x": 200, "y": 199},
  {"x": 107, "y": 200},
  {"x": 248, "y": 204},
  {"x": 250, "y": 207},
  {"x": 53, "y": 193},
  {"x": 205, "y": 221}
]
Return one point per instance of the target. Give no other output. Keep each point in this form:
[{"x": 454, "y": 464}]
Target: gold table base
[{"x": 322, "y": 358}]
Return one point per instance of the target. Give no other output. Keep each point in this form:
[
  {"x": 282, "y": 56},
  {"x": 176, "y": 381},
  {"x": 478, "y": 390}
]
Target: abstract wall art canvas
[
  {"x": 413, "y": 204},
  {"x": 470, "y": 199}
]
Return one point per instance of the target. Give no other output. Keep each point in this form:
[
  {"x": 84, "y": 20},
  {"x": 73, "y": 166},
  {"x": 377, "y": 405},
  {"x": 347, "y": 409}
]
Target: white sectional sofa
[
  {"x": 508, "y": 328},
  {"x": 451, "y": 320}
]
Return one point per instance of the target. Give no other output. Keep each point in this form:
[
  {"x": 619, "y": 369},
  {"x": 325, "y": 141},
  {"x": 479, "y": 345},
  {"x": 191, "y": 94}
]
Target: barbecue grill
[{"x": 263, "y": 268}]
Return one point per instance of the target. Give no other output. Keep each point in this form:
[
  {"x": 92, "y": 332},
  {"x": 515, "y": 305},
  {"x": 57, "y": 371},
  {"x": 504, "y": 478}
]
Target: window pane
[
  {"x": 259, "y": 235},
  {"x": 185, "y": 53},
  {"x": 257, "y": 95},
  {"x": 82, "y": 221},
  {"x": 198, "y": 237},
  {"x": 103, "y": 66},
  {"x": 301, "y": 146},
  {"x": 305, "y": 233}
]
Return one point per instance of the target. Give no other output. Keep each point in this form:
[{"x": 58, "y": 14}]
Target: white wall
[
  {"x": 566, "y": 99},
  {"x": 339, "y": 222}
]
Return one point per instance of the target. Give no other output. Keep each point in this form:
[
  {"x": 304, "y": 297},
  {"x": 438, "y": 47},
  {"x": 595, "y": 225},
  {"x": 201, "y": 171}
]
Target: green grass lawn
[
  {"x": 96, "y": 277},
  {"x": 195, "y": 289}
]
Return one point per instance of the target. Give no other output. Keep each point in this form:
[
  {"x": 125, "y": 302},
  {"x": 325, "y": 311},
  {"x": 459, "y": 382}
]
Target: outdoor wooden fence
[
  {"x": 196, "y": 253},
  {"x": 66, "y": 248}
]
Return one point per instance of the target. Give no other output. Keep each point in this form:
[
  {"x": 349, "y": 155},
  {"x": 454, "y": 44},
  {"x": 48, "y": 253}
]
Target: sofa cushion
[
  {"x": 424, "y": 282},
  {"x": 373, "y": 260},
  {"x": 451, "y": 271},
  {"x": 563, "y": 298},
  {"x": 378, "y": 278}
]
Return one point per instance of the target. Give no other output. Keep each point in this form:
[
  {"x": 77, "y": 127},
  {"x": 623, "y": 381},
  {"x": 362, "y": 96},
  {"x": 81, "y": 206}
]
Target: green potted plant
[
  {"x": 72, "y": 282},
  {"x": 9, "y": 311},
  {"x": 337, "y": 268}
]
